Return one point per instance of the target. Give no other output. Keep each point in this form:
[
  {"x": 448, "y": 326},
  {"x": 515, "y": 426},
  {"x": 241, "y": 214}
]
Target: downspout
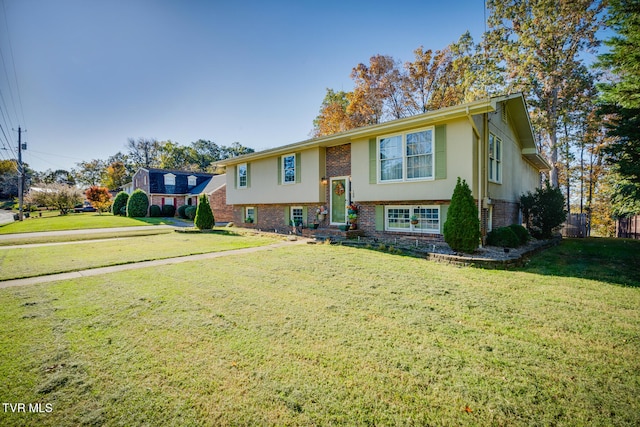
[{"x": 480, "y": 145}]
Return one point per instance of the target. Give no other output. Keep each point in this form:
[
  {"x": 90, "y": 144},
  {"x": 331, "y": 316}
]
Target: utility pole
[{"x": 20, "y": 175}]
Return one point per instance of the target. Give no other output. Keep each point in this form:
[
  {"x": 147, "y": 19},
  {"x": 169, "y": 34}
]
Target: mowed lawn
[
  {"x": 74, "y": 221},
  {"x": 331, "y": 335},
  {"x": 29, "y": 261}
]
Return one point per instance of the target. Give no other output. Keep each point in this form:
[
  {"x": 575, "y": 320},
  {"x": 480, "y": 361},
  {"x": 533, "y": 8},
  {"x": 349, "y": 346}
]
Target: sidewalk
[
  {"x": 145, "y": 264},
  {"x": 85, "y": 231}
]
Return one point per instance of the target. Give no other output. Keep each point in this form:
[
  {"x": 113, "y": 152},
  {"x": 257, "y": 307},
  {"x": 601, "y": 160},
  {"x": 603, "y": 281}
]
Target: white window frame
[
  {"x": 292, "y": 217},
  {"x": 284, "y": 175},
  {"x": 192, "y": 180},
  {"x": 169, "y": 179},
  {"x": 411, "y": 228},
  {"x": 405, "y": 156},
  {"x": 250, "y": 212},
  {"x": 494, "y": 154},
  {"x": 246, "y": 176}
]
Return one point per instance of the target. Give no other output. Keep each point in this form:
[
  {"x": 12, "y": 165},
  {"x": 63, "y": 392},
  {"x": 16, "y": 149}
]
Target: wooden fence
[
  {"x": 575, "y": 226},
  {"x": 628, "y": 227}
]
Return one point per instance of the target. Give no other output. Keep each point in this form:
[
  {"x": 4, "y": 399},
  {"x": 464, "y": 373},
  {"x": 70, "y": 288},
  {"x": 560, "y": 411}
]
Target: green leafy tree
[
  {"x": 540, "y": 43},
  {"x": 620, "y": 102},
  {"x": 204, "y": 219},
  {"x": 120, "y": 202},
  {"x": 543, "y": 211},
  {"x": 56, "y": 195},
  {"x": 462, "y": 228},
  {"x": 138, "y": 204}
]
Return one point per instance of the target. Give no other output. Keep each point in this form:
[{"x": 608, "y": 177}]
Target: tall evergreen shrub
[
  {"x": 462, "y": 228},
  {"x": 543, "y": 211},
  {"x": 204, "y": 216},
  {"x": 119, "y": 202},
  {"x": 138, "y": 204}
]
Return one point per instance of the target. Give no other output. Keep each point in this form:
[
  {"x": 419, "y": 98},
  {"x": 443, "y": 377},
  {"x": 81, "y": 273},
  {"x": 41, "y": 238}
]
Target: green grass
[
  {"x": 14, "y": 263},
  {"x": 72, "y": 221},
  {"x": 325, "y": 335}
]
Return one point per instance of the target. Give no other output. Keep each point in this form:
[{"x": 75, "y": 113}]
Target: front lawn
[
  {"x": 326, "y": 335},
  {"x": 72, "y": 221},
  {"x": 40, "y": 260}
]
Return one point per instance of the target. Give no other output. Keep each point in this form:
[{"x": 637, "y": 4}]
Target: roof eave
[{"x": 431, "y": 117}]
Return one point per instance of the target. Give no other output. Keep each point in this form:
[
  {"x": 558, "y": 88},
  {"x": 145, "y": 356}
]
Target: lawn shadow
[{"x": 607, "y": 260}]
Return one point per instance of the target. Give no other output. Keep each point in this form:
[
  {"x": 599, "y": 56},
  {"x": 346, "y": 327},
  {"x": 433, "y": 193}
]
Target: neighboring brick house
[
  {"x": 177, "y": 188},
  {"x": 394, "y": 171}
]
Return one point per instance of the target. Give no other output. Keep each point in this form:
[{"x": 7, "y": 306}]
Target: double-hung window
[
  {"x": 495, "y": 159},
  {"x": 242, "y": 175},
  {"x": 297, "y": 215},
  {"x": 413, "y": 219},
  {"x": 289, "y": 169},
  {"x": 407, "y": 156}
]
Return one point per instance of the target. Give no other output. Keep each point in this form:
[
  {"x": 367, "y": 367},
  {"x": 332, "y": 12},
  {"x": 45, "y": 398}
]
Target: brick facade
[{"x": 221, "y": 210}]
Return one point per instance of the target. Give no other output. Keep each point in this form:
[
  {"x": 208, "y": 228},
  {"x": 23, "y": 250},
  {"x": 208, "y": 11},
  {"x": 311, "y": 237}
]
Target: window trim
[
  {"x": 283, "y": 171},
  {"x": 168, "y": 177},
  {"x": 291, "y": 217},
  {"x": 246, "y": 213},
  {"x": 192, "y": 179},
  {"x": 494, "y": 164},
  {"x": 246, "y": 176},
  {"x": 413, "y": 228},
  {"x": 405, "y": 157}
]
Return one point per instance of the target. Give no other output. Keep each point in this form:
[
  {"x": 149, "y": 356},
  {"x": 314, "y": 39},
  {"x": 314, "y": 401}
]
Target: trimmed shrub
[
  {"x": 169, "y": 211},
  {"x": 543, "y": 211},
  {"x": 119, "y": 206},
  {"x": 521, "y": 232},
  {"x": 138, "y": 204},
  {"x": 155, "y": 211},
  {"x": 503, "y": 236},
  {"x": 462, "y": 228},
  {"x": 182, "y": 211},
  {"x": 204, "y": 216},
  {"x": 190, "y": 212}
]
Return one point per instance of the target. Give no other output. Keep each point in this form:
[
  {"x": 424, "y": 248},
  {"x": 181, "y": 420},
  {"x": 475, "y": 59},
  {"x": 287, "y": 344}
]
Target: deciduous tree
[
  {"x": 99, "y": 197},
  {"x": 540, "y": 43}
]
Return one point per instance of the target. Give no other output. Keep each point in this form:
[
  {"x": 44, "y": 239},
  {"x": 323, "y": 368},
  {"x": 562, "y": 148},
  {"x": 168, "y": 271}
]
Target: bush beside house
[
  {"x": 138, "y": 204},
  {"x": 119, "y": 206},
  {"x": 204, "y": 219},
  {"x": 462, "y": 228},
  {"x": 543, "y": 211}
]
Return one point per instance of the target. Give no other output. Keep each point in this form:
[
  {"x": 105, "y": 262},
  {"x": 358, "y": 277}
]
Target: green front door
[{"x": 339, "y": 192}]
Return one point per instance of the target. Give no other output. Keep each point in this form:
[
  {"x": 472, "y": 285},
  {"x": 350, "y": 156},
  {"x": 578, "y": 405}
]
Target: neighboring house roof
[
  {"x": 157, "y": 183},
  {"x": 515, "y": 104},
  {"x": 215, "y": 183},
  {"x": 207, "y": 187}
]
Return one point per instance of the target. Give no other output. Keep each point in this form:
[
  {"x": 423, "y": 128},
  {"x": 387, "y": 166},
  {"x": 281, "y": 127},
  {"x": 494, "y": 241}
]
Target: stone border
[{"x": 470, "y": 260}]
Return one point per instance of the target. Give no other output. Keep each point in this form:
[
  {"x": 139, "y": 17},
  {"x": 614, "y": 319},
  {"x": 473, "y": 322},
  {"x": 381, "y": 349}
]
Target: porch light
[{"x": 324, "y": 180}]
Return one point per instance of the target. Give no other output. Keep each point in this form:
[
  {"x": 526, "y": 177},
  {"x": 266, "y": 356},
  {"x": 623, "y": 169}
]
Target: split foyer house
[
  {"x": 177, "y": 188},
  {"x": 394, "y": 171}
]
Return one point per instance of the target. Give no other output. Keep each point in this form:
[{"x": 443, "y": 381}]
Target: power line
[{"x": 15, "y": 74}]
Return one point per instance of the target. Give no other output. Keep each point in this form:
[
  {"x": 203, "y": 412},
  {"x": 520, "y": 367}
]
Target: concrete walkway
[
  {"x": 144, "y": 264},
  {"x": 80, "y": 232}
]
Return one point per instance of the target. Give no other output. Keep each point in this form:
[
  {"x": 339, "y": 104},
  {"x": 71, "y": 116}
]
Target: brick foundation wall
[
  {"x": 505, "y": 213},
  {"x": 271, "y": 217},
  {"x": 221, "y": 210}
]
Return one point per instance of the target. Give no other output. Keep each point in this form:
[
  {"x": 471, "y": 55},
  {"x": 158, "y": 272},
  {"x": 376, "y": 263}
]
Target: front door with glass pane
[{"x": 339, "y": 197}]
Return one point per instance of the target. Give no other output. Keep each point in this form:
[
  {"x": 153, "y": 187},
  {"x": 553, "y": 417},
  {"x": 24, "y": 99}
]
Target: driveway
[{"x": 6, "y": 217}]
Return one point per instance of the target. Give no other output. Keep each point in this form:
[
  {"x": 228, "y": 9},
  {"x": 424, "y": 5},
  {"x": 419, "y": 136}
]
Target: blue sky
[{"x": 91, "y": 74}]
